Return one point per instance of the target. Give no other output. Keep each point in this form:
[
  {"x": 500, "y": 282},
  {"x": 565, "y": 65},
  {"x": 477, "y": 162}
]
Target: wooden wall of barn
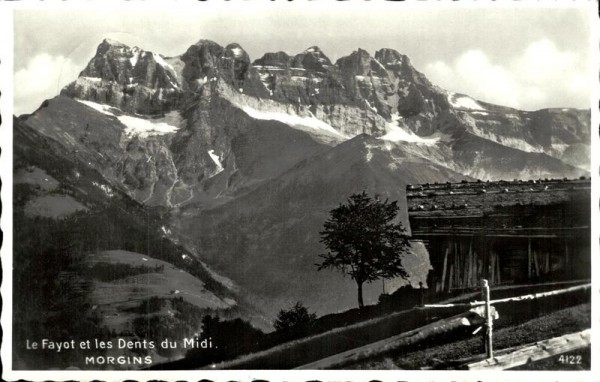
[{"x": 459, "y": 262}]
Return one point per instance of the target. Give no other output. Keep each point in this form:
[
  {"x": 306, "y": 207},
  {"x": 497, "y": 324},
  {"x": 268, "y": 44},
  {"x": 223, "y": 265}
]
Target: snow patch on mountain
[
  {"x": 463, "y": 102},
  {"x": 293, "y": 120},
  {"x": 559, "y": 147},
  {"x": 167, "y": 231},
  {"x": 519, "y": 144},
  {"x": 159, "y": 60},
  {"x": 379, "y": 64},
  {"x": 202, "y": 81},
  {"x": 371, "y": 107},
  {"x": 217, "y": 161},
  {"x": 134, "y": 59},
  {"x": 104, "y": 109},
  {"x": 91, "y": 79},
  {"x": 237, "y": 52},
  {"x": 145, "y": 127},
  {"x": 106, "y": 189},
  {"x": 271, "y": 67},
  {"x": 395, "y": 133},
  {"x": 135, "y": 126}
]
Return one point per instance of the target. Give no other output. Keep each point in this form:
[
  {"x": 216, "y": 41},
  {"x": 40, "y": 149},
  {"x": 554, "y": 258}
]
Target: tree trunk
[{"x": 360, "y": 296}]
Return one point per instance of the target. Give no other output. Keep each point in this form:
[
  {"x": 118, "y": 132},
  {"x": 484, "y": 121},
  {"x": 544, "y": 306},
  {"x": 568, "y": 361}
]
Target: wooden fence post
[{"x": 487, "y": 335}]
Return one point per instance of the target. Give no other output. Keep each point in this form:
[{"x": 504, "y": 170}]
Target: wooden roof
[{"x": 505, "y": 208}]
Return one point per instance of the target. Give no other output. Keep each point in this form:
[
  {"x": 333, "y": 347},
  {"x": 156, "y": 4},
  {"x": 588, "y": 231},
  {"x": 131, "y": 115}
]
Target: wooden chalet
[{"x": 507, "y": 232}]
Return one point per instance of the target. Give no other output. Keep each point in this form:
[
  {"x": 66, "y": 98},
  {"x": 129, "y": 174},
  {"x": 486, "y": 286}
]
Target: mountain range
[{"x": 240, "y": 161}]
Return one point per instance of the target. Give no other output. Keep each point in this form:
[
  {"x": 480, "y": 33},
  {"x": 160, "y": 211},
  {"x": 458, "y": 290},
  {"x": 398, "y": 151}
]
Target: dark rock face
[
  {"x": 360, "y": 63},
  {"x": 278, "y": 59},
  {"x": 128, "y": 78},
  {"x": 312, "y": 59},
  {"x": 307, "y": 79}
]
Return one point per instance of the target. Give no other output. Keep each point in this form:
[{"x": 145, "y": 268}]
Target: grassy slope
[{"x": 115, "y": 297}]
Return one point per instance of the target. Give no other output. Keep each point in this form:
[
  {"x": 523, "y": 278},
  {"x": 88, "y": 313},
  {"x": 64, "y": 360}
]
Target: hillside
[{"x": 65, "y": 216}]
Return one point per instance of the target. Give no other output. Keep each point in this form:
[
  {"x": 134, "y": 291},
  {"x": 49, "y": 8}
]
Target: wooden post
[{"x": 485, "y": 294}]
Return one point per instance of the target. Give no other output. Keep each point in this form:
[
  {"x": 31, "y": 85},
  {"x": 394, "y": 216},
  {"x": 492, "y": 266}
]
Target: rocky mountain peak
[
  {"x": 400, "y": 64},
  {"x": 360, "y": 63},
  {"x": 110, "y": 62},
  {"x": 313, "y": 59},
  {"x": 128, "y": 78},
  {"x": 109, "y": 44},
  {"x": 390, "y": 57},
  {"x": 237, "y": 52},
  {"x": 207, "y": 43},
  {"x": 313, "y": 49},
  {"x": 276, "y": 59},
  {"x": 206, "y": 60}
]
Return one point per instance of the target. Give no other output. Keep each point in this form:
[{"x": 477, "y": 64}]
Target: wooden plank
[
  {"x": 444, "y": 268},
  {"x": 472, "y": 317},
  {"x": 536, "y": 352},
  {"x": 476, "y": 275},
  {"x": 492, "y": 279},
  {"x": 498, "y": 277},
  {"x": 425, "y": 234},
  {"x": 510, "y": 299},
  {"x": 479, "y": 268},
  {"x": 456, "y": 266},
  {"x": 529, "y": 258},
  {"x": 470, "y": 277},
  {"x": 543, "y": 294}
]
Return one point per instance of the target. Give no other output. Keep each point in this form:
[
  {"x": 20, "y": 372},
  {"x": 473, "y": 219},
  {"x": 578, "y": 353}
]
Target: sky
[{"x": 526, "y": 57}]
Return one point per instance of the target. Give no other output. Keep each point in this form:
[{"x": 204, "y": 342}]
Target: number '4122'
[{"x": 570, "y": 359}]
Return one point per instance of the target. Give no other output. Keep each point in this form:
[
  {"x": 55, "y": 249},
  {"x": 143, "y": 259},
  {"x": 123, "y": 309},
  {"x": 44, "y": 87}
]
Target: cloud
[
  {"x": 541, "y": 76},
  {"x": 42, "y": 78}
]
